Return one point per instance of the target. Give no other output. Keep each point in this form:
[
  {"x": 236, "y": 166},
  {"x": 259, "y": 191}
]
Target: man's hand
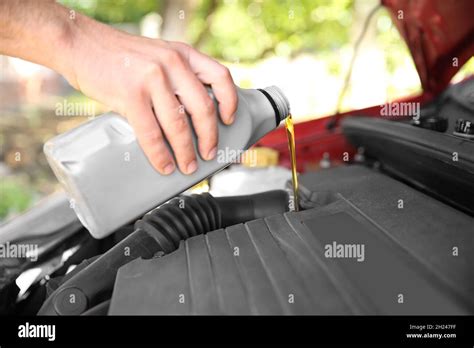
[{"x": 150, "y": 82}]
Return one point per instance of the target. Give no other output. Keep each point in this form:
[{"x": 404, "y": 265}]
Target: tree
[{"x": 244, "y": 30}]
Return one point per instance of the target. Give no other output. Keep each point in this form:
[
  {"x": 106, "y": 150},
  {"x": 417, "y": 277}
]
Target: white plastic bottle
[{"x": 111, "y": 182}]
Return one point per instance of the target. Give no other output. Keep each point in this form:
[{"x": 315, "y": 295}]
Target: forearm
[
  {"x": 146, "y": 80},
  {"x": 38, "y": 31}
]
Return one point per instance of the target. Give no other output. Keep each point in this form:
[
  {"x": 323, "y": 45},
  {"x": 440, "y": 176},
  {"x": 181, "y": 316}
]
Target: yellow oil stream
[{"x": 290, "y": 132}]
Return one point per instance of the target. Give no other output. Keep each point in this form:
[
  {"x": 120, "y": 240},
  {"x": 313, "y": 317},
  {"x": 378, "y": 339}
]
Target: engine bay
[{"x": 388, "y": 232}]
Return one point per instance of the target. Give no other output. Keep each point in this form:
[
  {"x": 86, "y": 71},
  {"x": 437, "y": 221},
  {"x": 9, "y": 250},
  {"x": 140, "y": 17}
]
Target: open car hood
[{"x": 439, "y": 34}]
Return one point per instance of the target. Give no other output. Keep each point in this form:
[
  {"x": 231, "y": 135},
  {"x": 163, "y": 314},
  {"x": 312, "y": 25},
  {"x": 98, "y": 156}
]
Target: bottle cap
[{"x": 280, "y": 102}]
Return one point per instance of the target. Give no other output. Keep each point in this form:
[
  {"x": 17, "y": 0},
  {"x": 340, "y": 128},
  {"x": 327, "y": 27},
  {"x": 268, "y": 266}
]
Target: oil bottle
[{"x": 109, "y": 179}]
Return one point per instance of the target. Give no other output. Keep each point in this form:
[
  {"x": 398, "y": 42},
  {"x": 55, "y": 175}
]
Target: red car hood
[{"x": 439, "y": 34}]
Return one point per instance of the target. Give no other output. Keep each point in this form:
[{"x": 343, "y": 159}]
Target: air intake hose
[{"x": 159, "y": 231}]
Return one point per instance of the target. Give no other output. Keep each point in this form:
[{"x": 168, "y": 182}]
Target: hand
[{"x": 151, "y": 83}]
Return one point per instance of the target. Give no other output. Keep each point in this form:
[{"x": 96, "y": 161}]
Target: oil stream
[{"x": 290, "y": 133}]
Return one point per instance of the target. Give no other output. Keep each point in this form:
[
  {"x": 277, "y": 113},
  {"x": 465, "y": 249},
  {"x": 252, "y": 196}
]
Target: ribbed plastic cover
[{"x": 279, "y": 265}]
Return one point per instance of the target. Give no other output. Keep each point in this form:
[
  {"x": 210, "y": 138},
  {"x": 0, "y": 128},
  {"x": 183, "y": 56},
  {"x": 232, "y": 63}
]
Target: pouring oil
[{"x": 290, "y": 133}]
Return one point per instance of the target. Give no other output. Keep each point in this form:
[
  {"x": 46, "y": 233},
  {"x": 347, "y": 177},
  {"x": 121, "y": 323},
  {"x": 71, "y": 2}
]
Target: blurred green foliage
[
  {"x": 15, "y": 196},
  {"x": 249, "y": 30},
  {"x": 244, "y": 30},
  {"x": 114, "y": 11}
]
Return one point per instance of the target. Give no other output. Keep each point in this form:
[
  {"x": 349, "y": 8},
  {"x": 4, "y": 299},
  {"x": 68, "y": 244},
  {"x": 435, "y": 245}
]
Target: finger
[
  {"x": 215, "y": 74},
  {"x": 198, "y": 104},
  {"x": 150, "y": 137},
  {"x": 174, "y": 122}
]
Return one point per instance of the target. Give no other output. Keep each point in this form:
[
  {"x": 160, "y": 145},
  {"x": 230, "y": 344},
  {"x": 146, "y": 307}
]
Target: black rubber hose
[
  {"x": 159, "y": 231},
  {"x": 239, "y": 209}
]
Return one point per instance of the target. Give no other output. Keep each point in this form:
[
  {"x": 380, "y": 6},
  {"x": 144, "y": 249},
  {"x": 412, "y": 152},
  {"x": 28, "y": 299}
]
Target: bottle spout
[{"x": 279, "y": 102}]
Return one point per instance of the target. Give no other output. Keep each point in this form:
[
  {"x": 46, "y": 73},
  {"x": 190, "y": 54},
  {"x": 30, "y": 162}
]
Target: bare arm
[
  {"x": 143, "y": 79},
  {"x": 35, "y": 31}
]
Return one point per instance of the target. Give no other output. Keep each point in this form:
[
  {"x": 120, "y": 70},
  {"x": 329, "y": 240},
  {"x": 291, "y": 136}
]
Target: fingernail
[
  {"x": 191, "y": 168},
  {"x": 168, "y": 169},
  {"x": 211, "y": 154},
  {"x": 230, "y": 120}
]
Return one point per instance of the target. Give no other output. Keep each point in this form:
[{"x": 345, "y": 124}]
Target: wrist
[
  {"x": 38, "y": 32},
  {"x": 64, "y": 33},
  {"x": 82, "y": 41}
]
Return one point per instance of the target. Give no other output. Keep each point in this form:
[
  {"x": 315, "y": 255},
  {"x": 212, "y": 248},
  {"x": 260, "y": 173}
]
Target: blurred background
[{"x": 303, "y": 46}]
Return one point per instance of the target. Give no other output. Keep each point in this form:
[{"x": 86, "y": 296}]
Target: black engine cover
[{"x": 368, "y": 245}]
